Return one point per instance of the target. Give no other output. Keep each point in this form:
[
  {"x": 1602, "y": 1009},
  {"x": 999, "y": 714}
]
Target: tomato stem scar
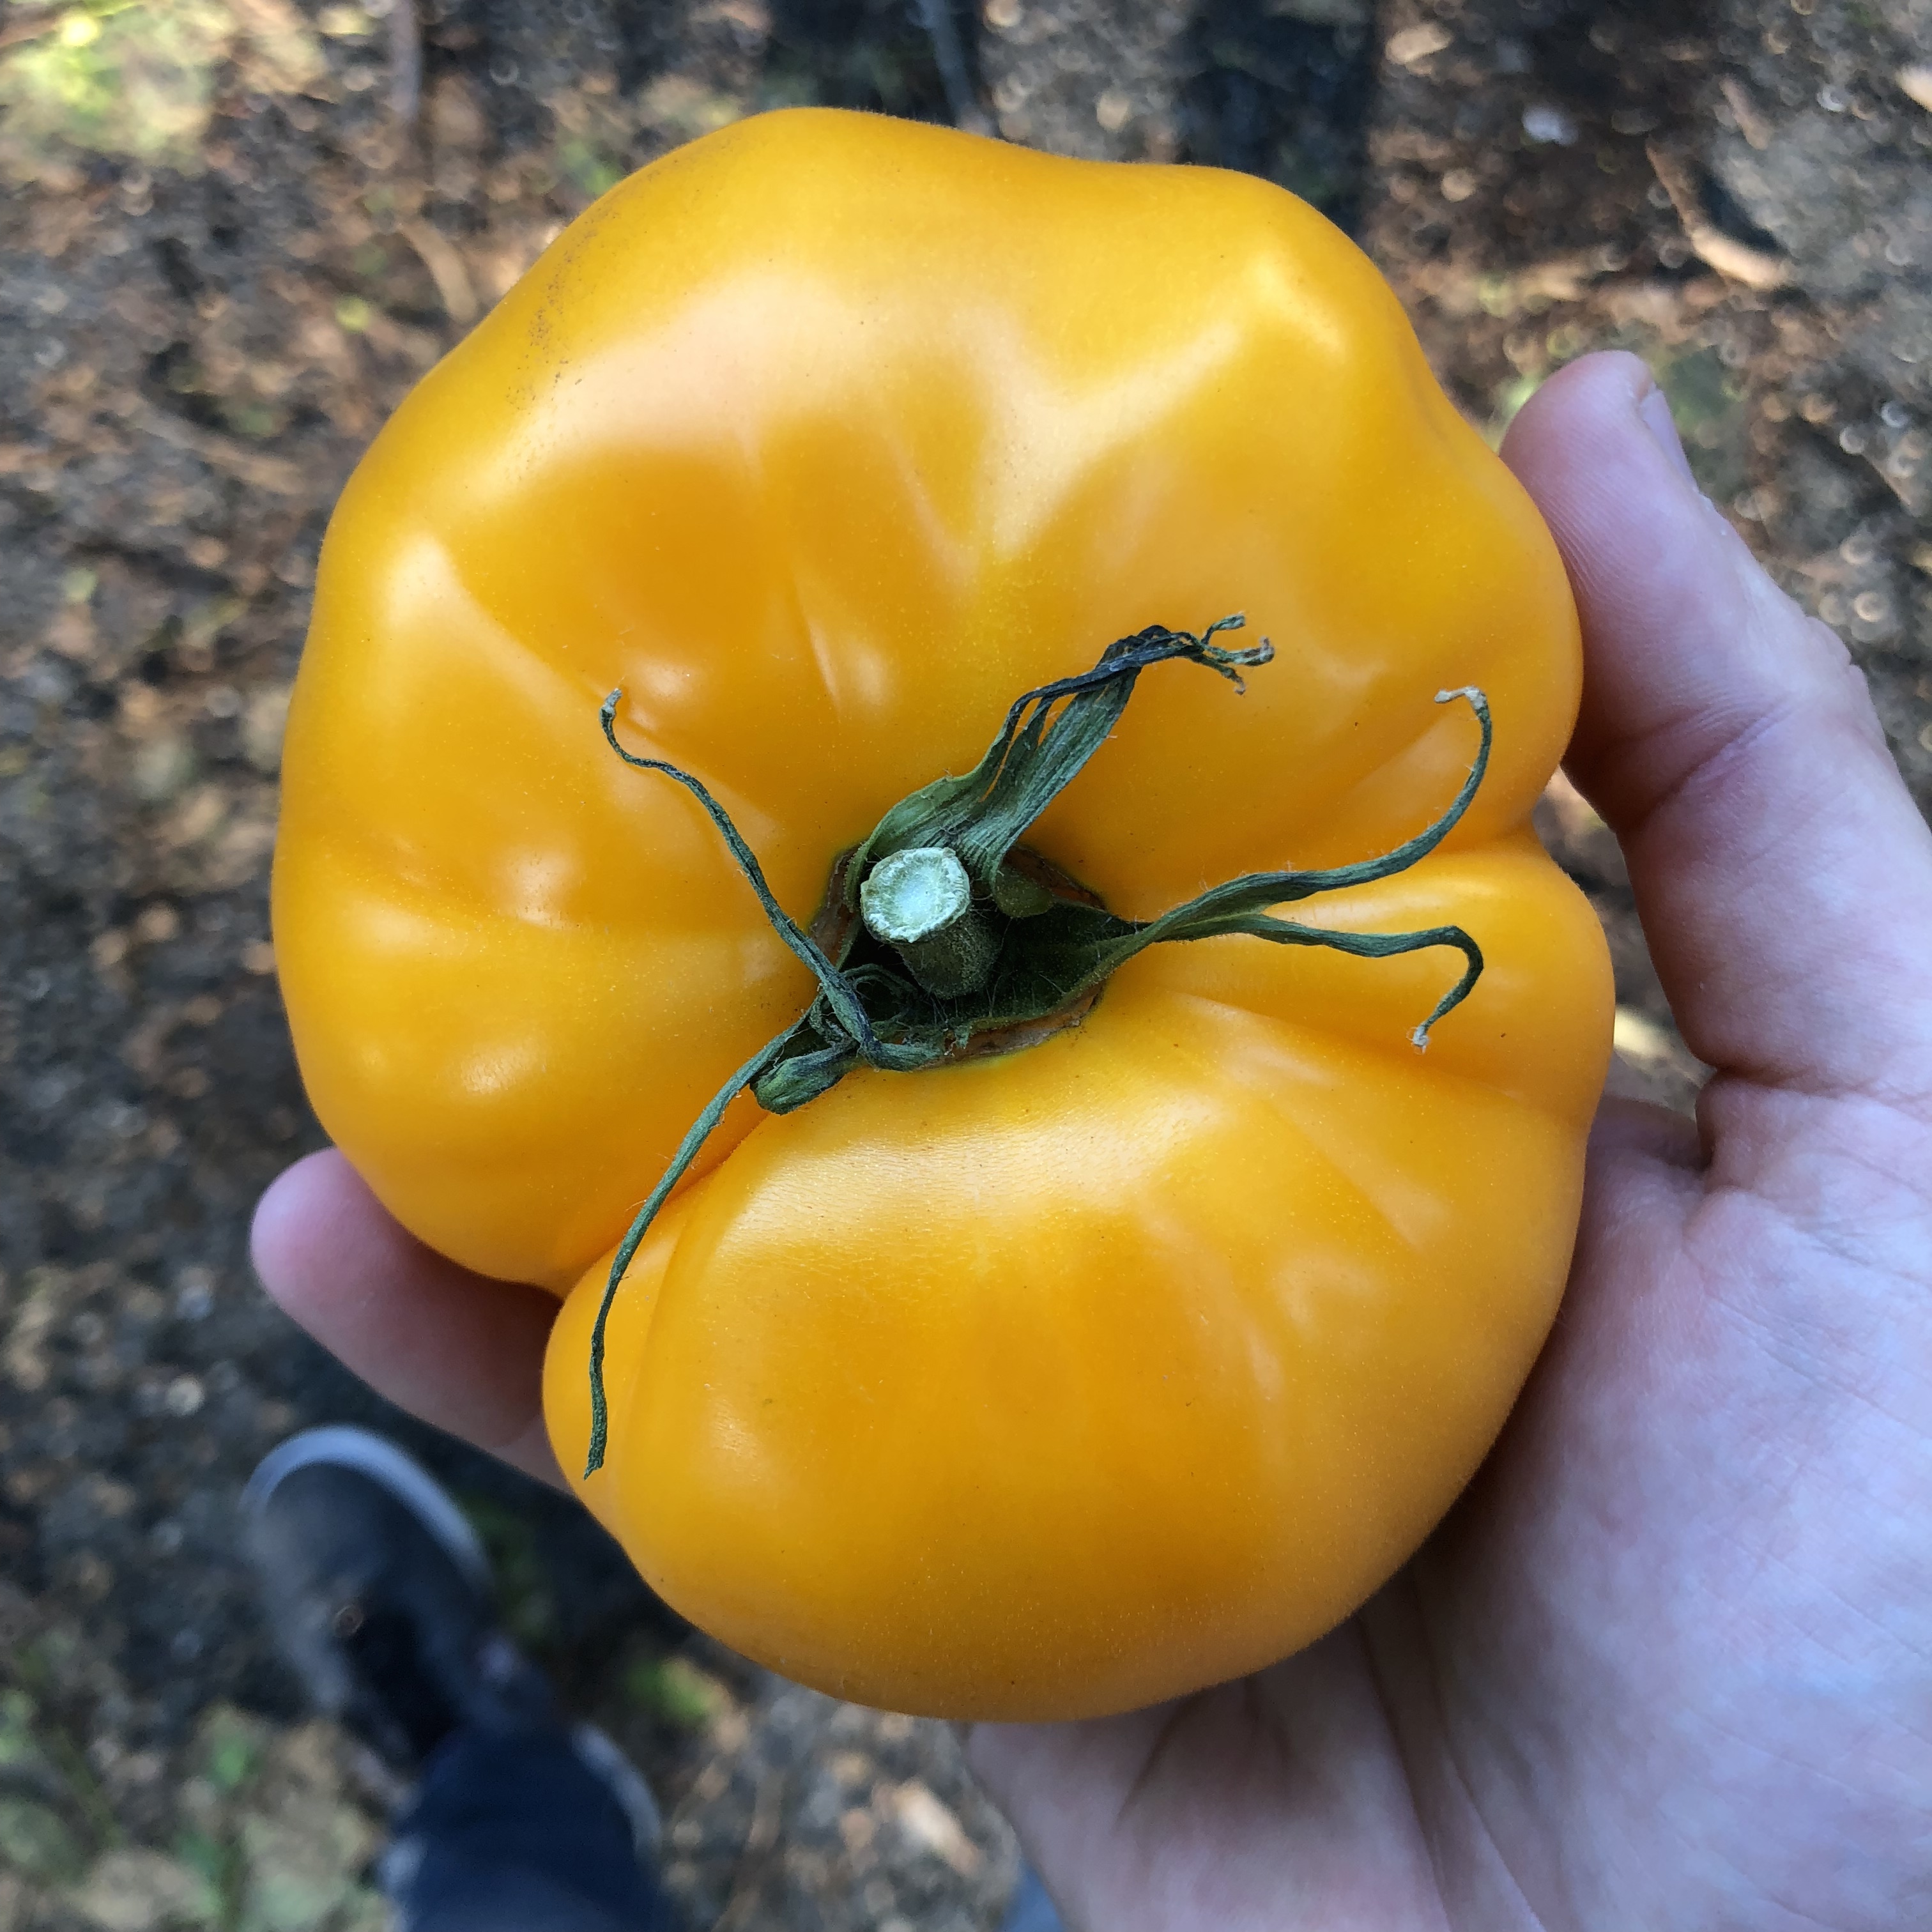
[
  {"x": 942, "y": 936},
  {"x": 919, "y": 901}
]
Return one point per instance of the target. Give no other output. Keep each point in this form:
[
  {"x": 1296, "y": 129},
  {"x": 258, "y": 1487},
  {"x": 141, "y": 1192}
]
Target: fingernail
[{"x": 1655, "y": 411}]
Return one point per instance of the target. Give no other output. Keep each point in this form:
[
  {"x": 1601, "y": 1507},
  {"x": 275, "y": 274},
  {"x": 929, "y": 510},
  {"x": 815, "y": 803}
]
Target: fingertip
[
  {"x": 1611, "y": 384},
  {"x": 1594, "y": 401},
  {"x": 456, "y": 1349},
  {"x": 1598, "y": 448},
  {"x": 292, "y": 1213}
]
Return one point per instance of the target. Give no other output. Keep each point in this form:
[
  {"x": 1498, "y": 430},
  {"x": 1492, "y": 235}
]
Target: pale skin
[{"x": 1669, "y": 1661}]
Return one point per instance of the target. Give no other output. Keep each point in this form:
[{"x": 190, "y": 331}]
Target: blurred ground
[{"x": 234, "y": 232}]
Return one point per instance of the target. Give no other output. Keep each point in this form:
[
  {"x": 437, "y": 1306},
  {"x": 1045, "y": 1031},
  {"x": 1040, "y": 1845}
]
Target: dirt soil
[{"x": 235, "y": 232}]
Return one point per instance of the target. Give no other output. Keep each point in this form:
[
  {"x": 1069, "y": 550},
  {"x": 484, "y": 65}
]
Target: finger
[
  {"x": 1783, "y": 874},
  {"x": 460, "y": 1351}
]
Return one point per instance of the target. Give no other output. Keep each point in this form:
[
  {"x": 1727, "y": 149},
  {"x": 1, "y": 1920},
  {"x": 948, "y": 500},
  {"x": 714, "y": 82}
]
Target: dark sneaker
[{"x": 380, "y": 1596}]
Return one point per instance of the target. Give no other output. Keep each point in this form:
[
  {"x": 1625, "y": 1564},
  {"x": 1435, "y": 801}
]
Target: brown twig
[
  {"x": 27, "y": 30},
  {"x": 961, "y": 103},
  {"x": 446, "y": 268},
  {"x": 405, "y": 62},
  {"x": 1755, "y": 268}
]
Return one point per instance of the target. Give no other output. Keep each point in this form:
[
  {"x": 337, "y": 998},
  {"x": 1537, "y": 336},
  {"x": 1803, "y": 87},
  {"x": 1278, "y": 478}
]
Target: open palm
[{"x": 1669, "y": 1663}]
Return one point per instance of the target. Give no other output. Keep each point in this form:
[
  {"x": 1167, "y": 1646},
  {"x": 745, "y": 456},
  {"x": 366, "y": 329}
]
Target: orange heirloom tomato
[{"x": 1035, "y": 1383}]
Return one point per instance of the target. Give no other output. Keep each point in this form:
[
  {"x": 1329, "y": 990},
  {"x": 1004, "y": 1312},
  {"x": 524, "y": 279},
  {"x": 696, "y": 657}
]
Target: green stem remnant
[
  {"x": 950, "y": 941},
  {"x": 919, "y": 901}
]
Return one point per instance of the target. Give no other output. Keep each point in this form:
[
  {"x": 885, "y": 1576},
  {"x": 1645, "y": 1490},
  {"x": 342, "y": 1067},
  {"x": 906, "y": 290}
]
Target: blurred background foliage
[{"x": 137, "y": 77}]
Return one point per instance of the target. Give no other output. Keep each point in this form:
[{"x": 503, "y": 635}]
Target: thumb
[{"x": 1782, "y": 872}]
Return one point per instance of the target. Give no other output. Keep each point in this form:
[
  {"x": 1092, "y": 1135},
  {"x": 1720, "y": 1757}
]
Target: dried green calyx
[{"x": 944, "y": 936}]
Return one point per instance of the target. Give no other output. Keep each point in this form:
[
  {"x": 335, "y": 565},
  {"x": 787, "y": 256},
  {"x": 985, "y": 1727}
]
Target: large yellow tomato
[{"x": 1048, "y": 1382}]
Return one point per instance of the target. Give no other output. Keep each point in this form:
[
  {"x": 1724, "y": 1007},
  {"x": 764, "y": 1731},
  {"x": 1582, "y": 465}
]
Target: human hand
[{"x": 1669, "y": 1663}]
